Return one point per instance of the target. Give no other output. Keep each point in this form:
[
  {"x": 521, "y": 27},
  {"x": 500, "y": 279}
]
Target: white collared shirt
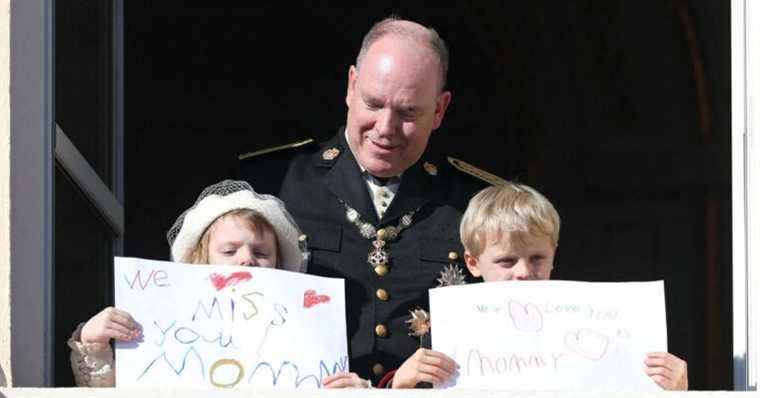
[{"x": 381, "y": 196}]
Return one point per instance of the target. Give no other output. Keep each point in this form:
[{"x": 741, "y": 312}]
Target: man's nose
[{"x": 386, "y": 122}]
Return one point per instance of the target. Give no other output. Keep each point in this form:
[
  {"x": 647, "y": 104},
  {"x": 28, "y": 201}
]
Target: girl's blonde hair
[
  {"x": 253, "y": 220},
  {"x": 510, "y": 208}
]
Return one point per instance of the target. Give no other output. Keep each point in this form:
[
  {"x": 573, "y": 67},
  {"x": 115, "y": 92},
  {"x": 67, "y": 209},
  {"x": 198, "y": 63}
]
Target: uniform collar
[{"x": 346, "y": 182}]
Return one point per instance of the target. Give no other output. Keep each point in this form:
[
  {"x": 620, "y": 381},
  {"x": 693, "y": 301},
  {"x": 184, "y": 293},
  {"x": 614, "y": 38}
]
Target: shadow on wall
[{"x": 3, "y": 383}]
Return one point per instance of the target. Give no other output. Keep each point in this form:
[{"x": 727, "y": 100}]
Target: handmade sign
[
  {"x": 227, "y": 326},
  {"x": 550, "y": 335}
]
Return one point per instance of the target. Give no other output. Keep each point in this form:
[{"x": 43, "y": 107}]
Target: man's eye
[
  {"x": 409, "y": 114},
  {"x": 261, "y": 254}
]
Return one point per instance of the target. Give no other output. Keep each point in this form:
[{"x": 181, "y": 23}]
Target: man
[{"x": 380, "y": 209}]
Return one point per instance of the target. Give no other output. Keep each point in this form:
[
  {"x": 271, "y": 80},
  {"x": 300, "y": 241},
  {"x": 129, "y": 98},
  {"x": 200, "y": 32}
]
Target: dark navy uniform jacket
[{"x": 313, "y": 181}]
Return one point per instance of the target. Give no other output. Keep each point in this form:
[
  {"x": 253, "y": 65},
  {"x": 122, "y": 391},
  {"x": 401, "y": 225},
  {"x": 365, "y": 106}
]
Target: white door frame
[{"x": 745, "y": 183}]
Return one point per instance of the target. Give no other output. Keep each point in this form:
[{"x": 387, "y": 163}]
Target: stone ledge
[{"x": 247, "y": 393}]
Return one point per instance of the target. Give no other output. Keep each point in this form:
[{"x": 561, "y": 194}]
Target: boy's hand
[
  {"x": 344, "y": 380},
  {"x": 667, "y": 370},
  {"x": 425, "y": 365},
  {"x": 111, "y": 323}
]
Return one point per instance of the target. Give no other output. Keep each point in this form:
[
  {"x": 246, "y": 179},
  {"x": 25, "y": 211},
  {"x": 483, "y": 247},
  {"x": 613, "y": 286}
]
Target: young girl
[{"x": 229, "y": 224}]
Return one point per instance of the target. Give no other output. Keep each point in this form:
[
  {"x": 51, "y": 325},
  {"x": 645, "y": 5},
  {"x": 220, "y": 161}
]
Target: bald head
[{"x": 408, "y": 30}]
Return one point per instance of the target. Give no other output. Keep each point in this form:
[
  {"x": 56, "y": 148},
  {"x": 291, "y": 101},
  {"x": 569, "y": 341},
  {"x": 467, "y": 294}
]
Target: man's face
[
  {"x": 507, "y": 258},
  {"x": 394, "y": 103}
]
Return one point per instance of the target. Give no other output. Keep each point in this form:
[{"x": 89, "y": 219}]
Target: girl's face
[{"x": 233, "y": 242}]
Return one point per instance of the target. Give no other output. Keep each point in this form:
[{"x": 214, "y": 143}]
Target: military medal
[{"x": 378, "y": 257}]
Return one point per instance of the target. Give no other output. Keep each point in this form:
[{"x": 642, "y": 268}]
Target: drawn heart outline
[
  {"x": 526, "y": 317},
  {"x": 221, "y": 281},
  {"x": 311, "y": 298},
  {"x": 587, "y": 343}
]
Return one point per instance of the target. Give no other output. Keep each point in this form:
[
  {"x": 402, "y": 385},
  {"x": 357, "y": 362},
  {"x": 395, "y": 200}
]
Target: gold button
[
  {"x": 381, "y": 330},
  {"x": 453, "y": 256},
  {"x": 302, "y": 238},
  {"x": 381, "y": 233},
  {"x": 382, "y": 294},
  {"x": 378, "y": 369},
  {"x": 381, "y": 269}
]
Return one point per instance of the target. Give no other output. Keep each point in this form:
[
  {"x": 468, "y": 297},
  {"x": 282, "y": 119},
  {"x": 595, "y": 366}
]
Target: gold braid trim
[
  {"x": 275, "y": 149},
  {"x": 476, "y": 172}
]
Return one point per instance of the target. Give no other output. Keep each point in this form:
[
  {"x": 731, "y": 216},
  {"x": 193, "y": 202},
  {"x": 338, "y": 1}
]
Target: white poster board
[
  {"x": 550, "y": 335},
  {"x": 227, "y": 326}
]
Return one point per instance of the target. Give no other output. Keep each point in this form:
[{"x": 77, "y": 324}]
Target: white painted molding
[
  {"x": 745, "y": 182},
  {"x": 85, "y": 177}
]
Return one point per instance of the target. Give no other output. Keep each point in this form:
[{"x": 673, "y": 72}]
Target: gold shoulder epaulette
[
  {"x": 476, "y": 172},
  {"x": 275, "y": 149}
]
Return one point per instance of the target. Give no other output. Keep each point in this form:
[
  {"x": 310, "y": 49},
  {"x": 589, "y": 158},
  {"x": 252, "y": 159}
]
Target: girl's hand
[
  {"x": 424, "y": 365},
  {"x": 111, "y": 323},
  {"x": 344, "y": 380}
]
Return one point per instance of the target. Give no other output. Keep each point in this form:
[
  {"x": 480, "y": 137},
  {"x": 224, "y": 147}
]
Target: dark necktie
[{"x": 380, "y": 181}]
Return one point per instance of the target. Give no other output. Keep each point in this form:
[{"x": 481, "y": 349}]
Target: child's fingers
[
  {"x": 116, "y": 328},
  {"x": 123, "y": 318},
  {"x": 440, "y": 373},
  {"x": 344, "y": 380},
  {"x": 439, "y": 360},
  {"x": 429, "y": 378},
  {"x": 116, "y": 335},
  {"x": 657, "y": 362},
  {"x": 333, "y": 377},
  {"x": 661, "y": 381},
  {"x": 122, "y": 334},
  {"x": 659, "y": 370}
]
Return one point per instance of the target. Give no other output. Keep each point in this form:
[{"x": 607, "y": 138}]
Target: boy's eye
[{"x": 506, "y": 262}]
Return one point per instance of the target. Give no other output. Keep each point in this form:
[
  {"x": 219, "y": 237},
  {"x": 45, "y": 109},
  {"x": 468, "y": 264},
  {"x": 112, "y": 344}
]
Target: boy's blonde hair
[{"x": 513, "y": 208}]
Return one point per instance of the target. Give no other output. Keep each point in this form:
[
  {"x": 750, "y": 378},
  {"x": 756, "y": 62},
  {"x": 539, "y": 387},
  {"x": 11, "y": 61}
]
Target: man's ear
[
  {"x": 441, "y": 104},
  {"x": 350, "y": 89},
  {"x": 472, "y": 264}
]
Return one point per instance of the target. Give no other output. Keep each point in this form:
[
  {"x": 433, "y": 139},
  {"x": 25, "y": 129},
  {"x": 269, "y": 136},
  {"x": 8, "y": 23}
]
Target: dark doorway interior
[{"x": 619, "y": 111}]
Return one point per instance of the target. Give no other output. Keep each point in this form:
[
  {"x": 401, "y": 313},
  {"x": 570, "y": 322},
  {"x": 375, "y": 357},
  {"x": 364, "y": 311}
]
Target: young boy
[{"x": 511, "y": 232}]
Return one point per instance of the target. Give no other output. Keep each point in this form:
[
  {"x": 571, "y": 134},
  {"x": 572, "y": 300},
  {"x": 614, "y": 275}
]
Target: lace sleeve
[{"x": 92, "y": 363}]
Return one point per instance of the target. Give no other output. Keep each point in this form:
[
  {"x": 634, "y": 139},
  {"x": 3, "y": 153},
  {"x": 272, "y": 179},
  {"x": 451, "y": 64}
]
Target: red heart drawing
[
  {"x": 311, "y": 298},
  {"x": 526, "y": 317},
  {"x": 221, "y": 281}
]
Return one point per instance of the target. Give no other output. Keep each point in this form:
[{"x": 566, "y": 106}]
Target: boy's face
[
  {"x": 506, "y": 258},
  {"x": 233, "y": 242}
]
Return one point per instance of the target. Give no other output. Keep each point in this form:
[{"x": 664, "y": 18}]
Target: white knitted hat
[{"x": 226, "y": 196}]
